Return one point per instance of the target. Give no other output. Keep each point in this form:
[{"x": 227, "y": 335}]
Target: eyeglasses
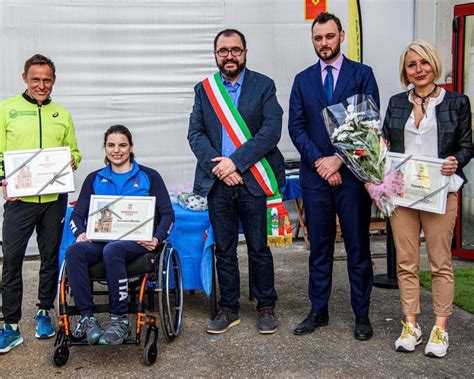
[{"x": 235, "y": 51}]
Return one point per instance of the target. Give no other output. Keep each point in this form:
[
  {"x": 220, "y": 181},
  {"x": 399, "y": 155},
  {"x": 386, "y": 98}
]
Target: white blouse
[{"x": 424, "y": 139}]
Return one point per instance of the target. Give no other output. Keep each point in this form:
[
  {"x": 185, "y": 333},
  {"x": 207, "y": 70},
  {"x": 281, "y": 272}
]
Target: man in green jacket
[{"x": 31, "y": 121}]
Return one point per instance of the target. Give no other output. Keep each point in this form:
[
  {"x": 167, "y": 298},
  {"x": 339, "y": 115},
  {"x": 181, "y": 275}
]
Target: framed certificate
[
  {"x": 128, "y": 218},
  {"x": 38, "y": 172},
  {"x": 425, "y": 188}
]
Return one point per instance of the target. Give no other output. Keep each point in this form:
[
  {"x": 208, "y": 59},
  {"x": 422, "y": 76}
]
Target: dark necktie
[{"x": 328, "y": 85}]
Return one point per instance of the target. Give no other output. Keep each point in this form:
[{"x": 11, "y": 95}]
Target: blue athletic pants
[{"x": 80, "y": 256}]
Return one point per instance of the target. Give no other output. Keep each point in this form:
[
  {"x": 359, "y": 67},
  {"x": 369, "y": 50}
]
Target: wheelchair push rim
[{"x": 170, "y": 293}]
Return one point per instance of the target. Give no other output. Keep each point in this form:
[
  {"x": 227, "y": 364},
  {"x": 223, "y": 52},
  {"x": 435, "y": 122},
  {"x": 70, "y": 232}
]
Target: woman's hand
[
  {"x": 82, "y": 238},
  {"x": 149, "y": 245},
  {"x": 375, "y": 194},
  {"x": 449, "y": 166}
]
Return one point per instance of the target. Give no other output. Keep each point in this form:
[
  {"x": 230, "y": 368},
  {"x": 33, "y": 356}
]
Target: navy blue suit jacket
[
  {"x": 306, "y": 125},
  {"x": 259, "y": 108}
]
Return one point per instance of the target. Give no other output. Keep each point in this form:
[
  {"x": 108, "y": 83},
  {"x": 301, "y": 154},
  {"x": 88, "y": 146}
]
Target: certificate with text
[
  {"x": 425, "y": 188},
  {"x": 38, "y": 172},
  {"x": 127, "y": 218}
]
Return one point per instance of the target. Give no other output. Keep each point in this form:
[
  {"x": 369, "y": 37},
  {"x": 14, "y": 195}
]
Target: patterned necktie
[{"x": 328, "y": 84}]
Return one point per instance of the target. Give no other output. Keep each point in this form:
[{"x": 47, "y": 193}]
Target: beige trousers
[{"x": 438, "y": 229}]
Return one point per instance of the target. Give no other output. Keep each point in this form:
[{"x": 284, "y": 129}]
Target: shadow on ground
[{"x": 242, "y": 352}]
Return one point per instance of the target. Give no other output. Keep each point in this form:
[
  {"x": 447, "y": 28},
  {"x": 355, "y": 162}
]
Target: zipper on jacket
[{"x": 40, "y": 136}]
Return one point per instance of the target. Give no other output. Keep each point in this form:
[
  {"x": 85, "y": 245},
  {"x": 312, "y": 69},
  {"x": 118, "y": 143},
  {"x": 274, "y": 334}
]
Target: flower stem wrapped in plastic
[{"x": 355, "y": 130}]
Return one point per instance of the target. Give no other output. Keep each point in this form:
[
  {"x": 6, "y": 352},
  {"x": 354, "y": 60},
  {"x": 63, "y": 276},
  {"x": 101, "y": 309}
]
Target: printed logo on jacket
[{"x": 14, "y": 113}]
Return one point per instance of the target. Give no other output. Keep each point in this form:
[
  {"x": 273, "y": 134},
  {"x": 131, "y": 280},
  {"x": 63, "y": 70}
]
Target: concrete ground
[{"x": 241, "y": 352}]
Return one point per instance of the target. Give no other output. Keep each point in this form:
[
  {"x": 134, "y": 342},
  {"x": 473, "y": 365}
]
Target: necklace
[{"x": 421, "y": 100}]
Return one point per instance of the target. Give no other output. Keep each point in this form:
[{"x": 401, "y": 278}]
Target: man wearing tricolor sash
[{"x": 234, "y": 129}]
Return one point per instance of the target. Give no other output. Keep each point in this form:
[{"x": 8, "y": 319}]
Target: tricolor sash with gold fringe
[{"x": 278, "y": 220}]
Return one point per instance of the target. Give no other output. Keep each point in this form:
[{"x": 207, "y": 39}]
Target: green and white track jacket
[{"x": 24, "y": 124}]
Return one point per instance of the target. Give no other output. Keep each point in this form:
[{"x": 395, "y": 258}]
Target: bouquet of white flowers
[
  {"x": 355, "y": 130},
  {"x": 192, "y": 201}
]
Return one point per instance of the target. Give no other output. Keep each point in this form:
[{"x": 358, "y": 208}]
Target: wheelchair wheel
[
  {"x": 170, "y": 293},
  {"x": 60, "y": 355},
  {"x": 150, "y": 353}
]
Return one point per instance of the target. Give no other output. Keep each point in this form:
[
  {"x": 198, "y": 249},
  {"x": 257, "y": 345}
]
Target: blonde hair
[{"x": 427, "y": 52}]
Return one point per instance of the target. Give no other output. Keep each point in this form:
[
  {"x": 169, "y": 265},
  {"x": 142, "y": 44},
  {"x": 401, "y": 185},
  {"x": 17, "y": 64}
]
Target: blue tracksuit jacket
[{"x": 142, "y": 181}]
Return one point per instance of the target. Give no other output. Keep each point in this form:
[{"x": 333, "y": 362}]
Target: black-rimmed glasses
[{"x": 235, "y": 51}]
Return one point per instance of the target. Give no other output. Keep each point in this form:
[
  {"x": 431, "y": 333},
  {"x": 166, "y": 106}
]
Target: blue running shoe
[
  {"x": 117, "y": 332},
  {"x": 44, "y": 329},
  {"x": 9, "y": 338},
  {"x": 90, "y": 328}
]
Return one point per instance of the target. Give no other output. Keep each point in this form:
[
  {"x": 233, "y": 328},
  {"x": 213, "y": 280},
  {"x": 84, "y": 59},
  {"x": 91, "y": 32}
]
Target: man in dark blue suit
[
  {"x": 223, "y": 175},
  {"x": 328, "y": 187}
]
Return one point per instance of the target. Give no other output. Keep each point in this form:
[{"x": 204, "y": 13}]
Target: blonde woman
[{"x": 430, "y": 121}]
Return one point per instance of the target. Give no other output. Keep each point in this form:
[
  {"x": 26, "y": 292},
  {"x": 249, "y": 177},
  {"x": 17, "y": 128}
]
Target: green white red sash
[{"x": 278, "y": 221}]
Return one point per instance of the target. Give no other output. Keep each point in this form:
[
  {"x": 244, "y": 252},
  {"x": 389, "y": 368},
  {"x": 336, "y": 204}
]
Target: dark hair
[
  {"x": 118, "y": 129},
  {"x": 228, "y": 33},
  {"x": 39, "y": 59},
  {"x": 324, "y": 17}
]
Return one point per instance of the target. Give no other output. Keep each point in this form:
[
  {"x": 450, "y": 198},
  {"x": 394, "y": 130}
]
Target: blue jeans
[
  {"x": 81, "y": 255},
  {"x": 228, "y": 206}
]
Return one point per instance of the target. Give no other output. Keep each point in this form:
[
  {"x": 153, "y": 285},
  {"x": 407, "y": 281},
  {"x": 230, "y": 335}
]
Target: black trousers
[
  {"x": 19, "y": 220},
  {"x": 228, "y": 206}
]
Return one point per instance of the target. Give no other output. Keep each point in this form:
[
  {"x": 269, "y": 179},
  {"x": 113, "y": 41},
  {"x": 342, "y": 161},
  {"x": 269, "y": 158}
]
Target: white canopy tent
[{"x": 135, "y": 62}]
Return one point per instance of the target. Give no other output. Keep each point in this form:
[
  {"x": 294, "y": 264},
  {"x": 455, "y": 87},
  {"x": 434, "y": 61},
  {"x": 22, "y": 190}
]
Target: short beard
[
  {"x": 231, "y": 74},
  {"x": 333, "y": 55}
]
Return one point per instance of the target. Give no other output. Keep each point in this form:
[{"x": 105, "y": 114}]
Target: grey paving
[{"x": 242, "y": 352}]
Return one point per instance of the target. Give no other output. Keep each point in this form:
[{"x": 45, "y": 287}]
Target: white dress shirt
[{"x": 424, "y": 139}]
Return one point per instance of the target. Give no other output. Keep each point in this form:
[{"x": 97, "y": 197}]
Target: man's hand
[
  {"x": 327, "y": 166},
  {"x": 82, "y": 238},
  {"x": 224, "y": 168},
  {"x": 335, "y": 179},
  {"x": 449, "y": 166},
  {"x": 5, "y": 196},
  {"x": 149, "y": 245},
  {"x": 73, "y": 163},
  {"x": 233, "y": 179}
]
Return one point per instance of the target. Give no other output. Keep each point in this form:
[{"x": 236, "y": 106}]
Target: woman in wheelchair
[{"x": 122, "y": 175}]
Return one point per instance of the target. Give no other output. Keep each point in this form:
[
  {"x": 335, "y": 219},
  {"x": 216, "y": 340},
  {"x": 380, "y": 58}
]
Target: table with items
[
  {"x": 292, "y": 191},
  {"x": 191, "y": 236}
]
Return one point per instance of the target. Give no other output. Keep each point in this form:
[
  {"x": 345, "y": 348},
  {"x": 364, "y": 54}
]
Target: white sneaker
[
  {"x": 438, "y": 344},
  {"x": 409, "y": 339}
]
